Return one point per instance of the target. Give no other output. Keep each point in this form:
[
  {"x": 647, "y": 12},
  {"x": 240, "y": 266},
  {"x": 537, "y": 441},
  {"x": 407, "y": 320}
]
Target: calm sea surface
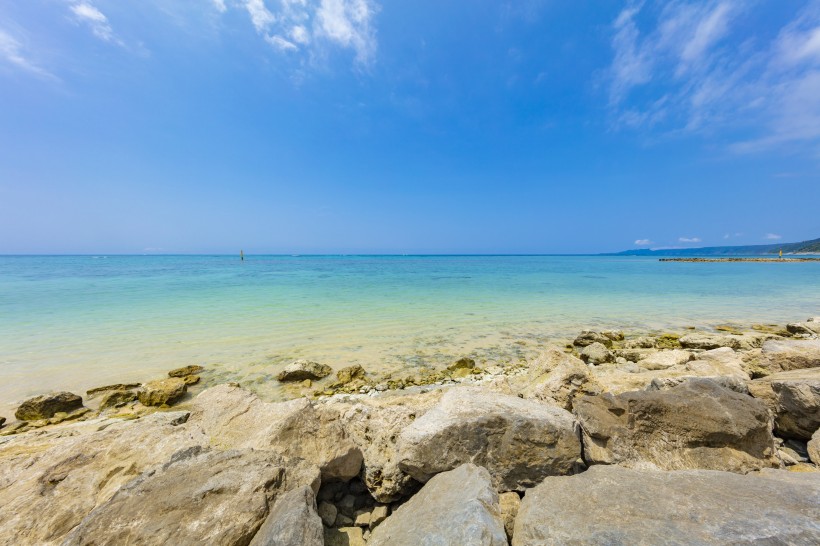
[{"x": 72, "y": 322}]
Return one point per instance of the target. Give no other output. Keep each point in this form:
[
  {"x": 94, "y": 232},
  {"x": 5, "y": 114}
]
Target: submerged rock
[
  {"x": 293, "y": 521},
  {"x": 464, "y": 363},
  {"x": 186, "y": 371},
  {"x": 346, "y": 375},
  {"x": 614, "y": 505},
  {"x": 116, "y": 399},
  {"x": 47, "y": 405},
  {"x": 697, "y": 424},
  {"x": 518, "y": 441},
  {"x": 794, "y": 399},
  {"x": 300, "y": 370},
  {"x": 162, "y": 392},
  {"x": 198, "y": 497},
  {"x": 455, "y": 507},
  {"x": 117, "y": 387}
]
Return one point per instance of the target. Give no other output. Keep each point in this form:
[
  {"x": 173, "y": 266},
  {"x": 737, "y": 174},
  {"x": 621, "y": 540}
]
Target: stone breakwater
[
  {"x": 674, "y": 438},
  {"x": 711, "y": 260}
]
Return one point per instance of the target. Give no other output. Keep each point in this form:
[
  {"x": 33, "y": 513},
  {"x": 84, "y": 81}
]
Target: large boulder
[
  {"x": 299, "y": 370},
  {"x": 619, "y": 506},
  {"x": 293, "y": 521},
  {"x": 45, "y": 406},
  {"x": 518, "y": 441},
  {"x": 198, "y": 497},
  {"x": 162, "y": 391},
  {"x": 455, "y": 507},
  {"x": 794, "y": 399},
  {"x": 52, "y": 479},
  {"x": 790, "y": 354},
  {"x": 554, "y": 377},
  {"x": 374, "y": 425},
  {"x": 697, "y": 424},
  {"x": 236, "y": 418}
]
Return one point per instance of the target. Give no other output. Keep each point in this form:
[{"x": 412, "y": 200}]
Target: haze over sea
[{"x": 74, "y": 322}]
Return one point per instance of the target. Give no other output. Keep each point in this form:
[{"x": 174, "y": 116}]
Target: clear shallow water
[{"x": 73, "y": 322}]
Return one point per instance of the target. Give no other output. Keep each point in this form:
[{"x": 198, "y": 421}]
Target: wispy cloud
[
  {"x": 643, "y": 242},
  {"x": 12, "y": 53},
  {"x": 307, "y": 26},
  {"x": 772, "y": 237},
  {"x": 686, "y": 66},
  {"x": 689, "y": 239},
  {"x": 88, "y": 14}
]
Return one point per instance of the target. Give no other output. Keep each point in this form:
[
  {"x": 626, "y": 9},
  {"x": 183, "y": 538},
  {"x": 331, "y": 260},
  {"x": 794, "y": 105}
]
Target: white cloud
[
  {"x": 643, "y": 242},
  {"x": 86, "y": 13},
  {"x": 220, "y": 6},
  {"x": 689, "y": 239},
  {"x": 772, "y": 237},
  {"x": 689, "y": 67},
  {"x": 11, "y": 51},
  {"x": 310, "y": 26}
]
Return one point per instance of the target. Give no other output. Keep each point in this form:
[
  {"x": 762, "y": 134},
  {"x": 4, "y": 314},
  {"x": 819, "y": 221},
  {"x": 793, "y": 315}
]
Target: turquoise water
[{"x": 72, "y": 322}]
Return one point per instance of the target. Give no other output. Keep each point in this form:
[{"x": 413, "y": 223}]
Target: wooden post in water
[{"x": 242, "y": 255}]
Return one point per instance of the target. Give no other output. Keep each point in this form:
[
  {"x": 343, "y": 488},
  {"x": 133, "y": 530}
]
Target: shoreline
[{"x": 716, "y": 260}]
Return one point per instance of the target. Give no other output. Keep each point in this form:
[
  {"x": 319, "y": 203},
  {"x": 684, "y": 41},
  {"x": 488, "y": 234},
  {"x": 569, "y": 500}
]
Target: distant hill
[{"x": 806, "y": 247}]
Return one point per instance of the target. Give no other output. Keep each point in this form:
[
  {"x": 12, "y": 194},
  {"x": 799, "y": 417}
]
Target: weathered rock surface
[
  {"x": 455, "y": 507},
  {"x": 509, "y": 503},
  {"x": 588, "y": 337},
  {"x": 596, "y": 353},
  {"x": 344, "y": 536},
  {"x": 666, "y": 359},
  {"x": 518, "y": 441},
  {"x": 186, "y": 371},
  {"x": 236, "y": 418},
  {"x": 115, "y": 399},
  {"x": 618, "y": 506},
  {"x": 374, "y": 426},
  {"x": 813, "y": 448},
  {"x": 198, "y": 497},
  {"x": 710, "y": 341},
  {"x": 300, "y": 370},
  {"x": 790, "y": 354},
  {"x": 293, "y": 521},
  {"x": 346, "y": 375},
  {"x": 794, "y": 399},
  {"x": 46, "y": 405},
  {"x": 162, "y": 392},
  {"x": 697, "y": 424},
  {"x": 117, "y": 387}
]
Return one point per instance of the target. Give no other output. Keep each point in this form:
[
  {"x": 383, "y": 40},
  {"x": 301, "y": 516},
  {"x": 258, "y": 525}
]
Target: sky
[{"x": 368, "y": 126}]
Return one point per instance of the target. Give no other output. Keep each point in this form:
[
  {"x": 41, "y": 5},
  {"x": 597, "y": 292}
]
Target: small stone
[
  {"x": 299, "y": 370},
  {"x": 117, "y": 387},
  {"x": 191, "y": 379},
  {"x": 362, "y": 518},
  {"x": 186, "y": 370},
  {"x": 509, "y": 503},
  {"x": 117, "y": 399},
  {"x": 307, "y": 383},
  {"x": 45, "y": 406},
  {"x": 328, "y": 513},
  {"x": 162, "y": 392},
  {"x": 596, "y": 353},
  {"x": 461, "y": 373},
  {"x": 345, "y": 536},
  {"x": 378, "y": 515},
  {"x": 61, "y": 416},
  {"x": 346, "y": 375},
  {"x": 342, "y": 521},
  {"x": 462, "y": 363}
]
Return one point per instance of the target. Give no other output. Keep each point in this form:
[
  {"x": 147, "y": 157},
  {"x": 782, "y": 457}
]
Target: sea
[{"x": 75, "y": 322}]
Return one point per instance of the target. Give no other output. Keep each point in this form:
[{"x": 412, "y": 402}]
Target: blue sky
[{"x": 406, "y": 127}]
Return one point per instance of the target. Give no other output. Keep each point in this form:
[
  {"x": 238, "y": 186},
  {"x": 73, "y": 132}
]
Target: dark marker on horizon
[{"x": 242, "y": 255}]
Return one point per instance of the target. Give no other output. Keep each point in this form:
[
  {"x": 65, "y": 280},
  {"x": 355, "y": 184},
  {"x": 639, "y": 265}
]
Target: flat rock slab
[
  {"x": 162, "y": 391},
  {"x": 618, "y": 506},
  {"x": 459, "y": 507},
  {"x": 198, "y": 497},
  {"x": 697, "y": 424},
  {"x": 518, "y": 441},
  {"x": 785, "y": 355}
]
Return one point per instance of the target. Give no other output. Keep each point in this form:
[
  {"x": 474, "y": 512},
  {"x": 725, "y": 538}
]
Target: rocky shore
[{"x": 693, "y": 437}]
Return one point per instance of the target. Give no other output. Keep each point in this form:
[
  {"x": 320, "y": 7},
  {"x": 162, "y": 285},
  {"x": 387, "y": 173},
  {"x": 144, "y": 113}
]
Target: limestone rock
[
  {"x": 237, "y": 418},
  {"x": 509, "y": 503},
  {"x": 344, "y": 536},
  {"x": 328, "y": 513},
  {"x": 614, "y": 505},
  {"x": 198, "y": 497},
  {"x": 799, "y": 329},
  {"x": 697, "y": 424},
  {"x": 813, "y": 448},
  {"x": 115, "y": 399},
  {"x": 666, "y": 359},
  {"x": 596, "y": 353},
  {"x": 794, "y": 399},
  {"x": 643, "y": 342},
  {"x": 191, "y": 379},
  {"x": 710, "y": 341},
  {"x": 186, "y": 371},
  {"x": 455, "y": 507},
  {"x": 117, "y": 387},
  {"x": 790, "y": 354},
  {"x": 346, "y": 375},
  {"x": 588, "y": 337},
  {"x": 300, "y": 370},
  {"x": 293, "y": 521},
  {"x": 614, "y": 335},
  {"x": 378, "y": 515},
  {"x": 46, "y": 405},
  {"x": 556, "y": 377},
  {"x": 162, "y": 392},
  {"x": 464, "y": 363},
  {"x": 518, "y": 441}
]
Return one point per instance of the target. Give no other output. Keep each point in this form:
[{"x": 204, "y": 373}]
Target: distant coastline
[{"x": 802, "y": 248}]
